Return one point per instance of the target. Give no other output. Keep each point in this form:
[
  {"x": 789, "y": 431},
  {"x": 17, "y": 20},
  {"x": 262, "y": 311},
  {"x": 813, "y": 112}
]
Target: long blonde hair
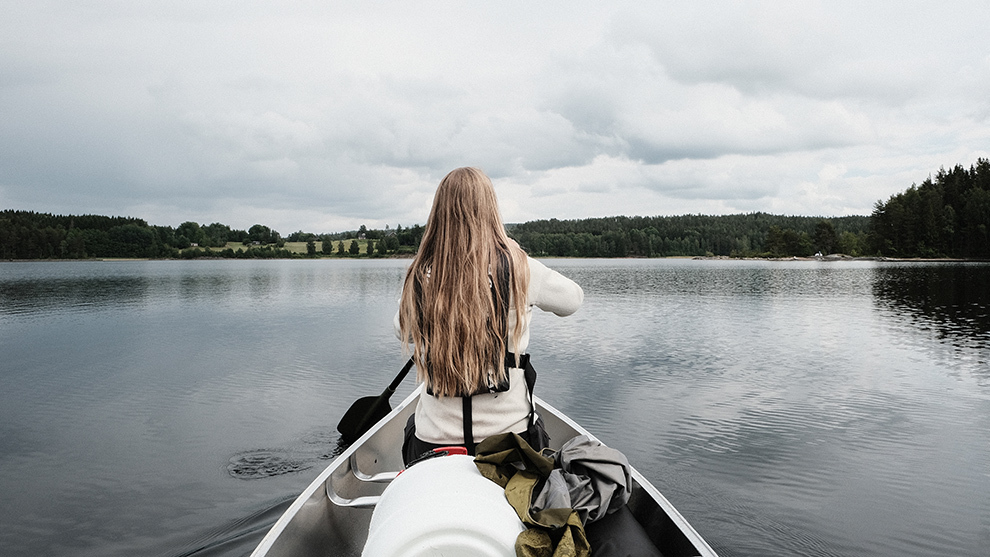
[{"x": 454, "y": 305}]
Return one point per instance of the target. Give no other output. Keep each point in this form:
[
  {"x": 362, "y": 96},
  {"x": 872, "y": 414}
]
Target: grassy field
[{"x": 300, "y": 248}]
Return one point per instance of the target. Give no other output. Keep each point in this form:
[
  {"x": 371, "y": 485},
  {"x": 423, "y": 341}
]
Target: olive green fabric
[{"x": 509, "y": 461}]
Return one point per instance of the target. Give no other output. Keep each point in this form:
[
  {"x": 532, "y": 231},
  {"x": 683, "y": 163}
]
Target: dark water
[{"x": 799, "y": 408}]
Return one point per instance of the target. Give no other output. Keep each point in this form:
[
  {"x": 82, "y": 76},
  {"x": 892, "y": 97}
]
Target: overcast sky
[{"x": 322, "y": 116}]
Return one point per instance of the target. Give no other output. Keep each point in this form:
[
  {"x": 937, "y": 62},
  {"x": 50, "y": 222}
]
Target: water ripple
[{"x": 265, "y": 463}]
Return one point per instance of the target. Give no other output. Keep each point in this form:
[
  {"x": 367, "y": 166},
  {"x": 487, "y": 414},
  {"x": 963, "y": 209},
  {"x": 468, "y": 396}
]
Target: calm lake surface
[{"x": 785, "y": 408}]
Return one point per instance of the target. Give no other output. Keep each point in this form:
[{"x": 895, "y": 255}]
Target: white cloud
[{"x": 320, "y": 115}]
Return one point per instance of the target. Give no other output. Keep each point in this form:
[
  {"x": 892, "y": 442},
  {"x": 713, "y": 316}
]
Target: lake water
[{"x": 785, "y": 408}]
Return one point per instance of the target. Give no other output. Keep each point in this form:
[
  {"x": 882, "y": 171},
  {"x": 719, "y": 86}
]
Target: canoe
[{"x": 332, "y": 516}]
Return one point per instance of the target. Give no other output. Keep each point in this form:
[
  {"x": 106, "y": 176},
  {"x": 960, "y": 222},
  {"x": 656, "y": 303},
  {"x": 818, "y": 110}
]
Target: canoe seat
[
  {"x": 381, "y": 477},
  {"x": 366, "y": 501}
]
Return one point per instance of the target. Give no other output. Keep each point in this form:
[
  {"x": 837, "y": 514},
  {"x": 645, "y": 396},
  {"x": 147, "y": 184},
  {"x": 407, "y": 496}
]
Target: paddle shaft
[{"x": 398, "y": 378}]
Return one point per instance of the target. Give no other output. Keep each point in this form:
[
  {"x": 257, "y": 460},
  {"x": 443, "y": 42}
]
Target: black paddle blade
[
  {"x": 367, "y": 411},
  {"x": 362, "y": 415}
]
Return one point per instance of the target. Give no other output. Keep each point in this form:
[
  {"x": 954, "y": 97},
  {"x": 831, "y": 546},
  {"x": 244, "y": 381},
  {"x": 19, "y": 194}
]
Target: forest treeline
[
  {"x": 744, "y": 235},
  {"x": 30, "y": 235},
  {"x": 948, "y": 215}
]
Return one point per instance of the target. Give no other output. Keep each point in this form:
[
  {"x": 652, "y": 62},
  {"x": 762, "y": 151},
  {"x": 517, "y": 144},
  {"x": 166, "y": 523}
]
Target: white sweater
[{"x": 439, "y": 420}]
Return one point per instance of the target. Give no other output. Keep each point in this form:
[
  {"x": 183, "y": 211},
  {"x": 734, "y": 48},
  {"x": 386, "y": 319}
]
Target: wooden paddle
[{"x": 366, "y": 411}]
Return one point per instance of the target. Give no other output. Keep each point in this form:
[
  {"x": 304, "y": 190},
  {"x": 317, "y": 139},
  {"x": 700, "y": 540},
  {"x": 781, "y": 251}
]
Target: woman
[{"x": 466, "y": 306}]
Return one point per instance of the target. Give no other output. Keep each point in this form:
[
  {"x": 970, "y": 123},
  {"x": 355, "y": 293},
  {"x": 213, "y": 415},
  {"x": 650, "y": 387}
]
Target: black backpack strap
[
  {"x": 529, "y": 372},
  {"x": 468, "y": 424},
  {"x": 510, "y": 362}
]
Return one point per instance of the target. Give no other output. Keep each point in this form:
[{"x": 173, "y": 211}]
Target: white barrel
[{"x": 443, "y": 506}]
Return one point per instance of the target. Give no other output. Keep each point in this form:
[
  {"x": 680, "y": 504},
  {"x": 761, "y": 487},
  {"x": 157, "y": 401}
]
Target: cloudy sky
[{"x": 324, "y": 115}]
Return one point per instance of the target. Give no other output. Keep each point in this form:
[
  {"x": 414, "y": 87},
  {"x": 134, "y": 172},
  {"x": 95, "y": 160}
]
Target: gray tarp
[{"x": 588, "y": 477}]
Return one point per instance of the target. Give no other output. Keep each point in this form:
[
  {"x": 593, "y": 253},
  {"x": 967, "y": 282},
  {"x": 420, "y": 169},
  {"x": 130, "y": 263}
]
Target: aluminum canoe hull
[{"x": 332, "y": 515}]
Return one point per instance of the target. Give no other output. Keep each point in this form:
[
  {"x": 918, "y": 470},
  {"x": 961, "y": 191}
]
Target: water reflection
[
  {"x": 26, "y": 296},
  {"x": 36, "y": 290},
  {"x": 951, "y": 299}
]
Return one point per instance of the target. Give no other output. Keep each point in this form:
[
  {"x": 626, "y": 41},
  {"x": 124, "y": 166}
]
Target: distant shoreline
[
  {"x": 837, "y": 258},
  {"x": 824, "y": 258}
]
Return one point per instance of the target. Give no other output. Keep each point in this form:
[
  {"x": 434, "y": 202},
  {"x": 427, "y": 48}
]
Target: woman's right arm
[{"x": 552, "y": 291}]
